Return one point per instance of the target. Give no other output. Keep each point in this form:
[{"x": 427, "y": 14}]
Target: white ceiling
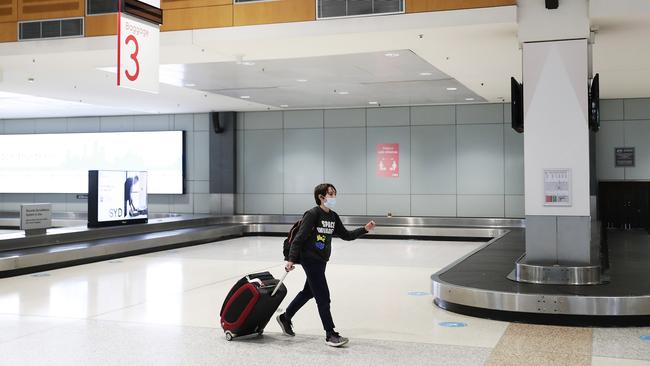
[{"x": 477, "y": 49}]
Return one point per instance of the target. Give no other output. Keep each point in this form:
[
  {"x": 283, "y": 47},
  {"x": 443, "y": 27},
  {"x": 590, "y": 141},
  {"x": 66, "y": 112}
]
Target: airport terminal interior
[{"x": 156, "y": 154}]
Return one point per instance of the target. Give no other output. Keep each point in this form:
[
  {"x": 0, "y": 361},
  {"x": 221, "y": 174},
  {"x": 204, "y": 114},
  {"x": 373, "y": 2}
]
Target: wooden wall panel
[
  {"x": 50, "y": 9},
  {"x": 8, "y": 10},
  {"x": 414, "y": 6},
  {"x": 8, "y": 32},
  {"x": 101, "y": 25},
  {"x": 281, "y": 11},
  {"x": 197, "y": 18},
  {"x": 183, "y": 4}
]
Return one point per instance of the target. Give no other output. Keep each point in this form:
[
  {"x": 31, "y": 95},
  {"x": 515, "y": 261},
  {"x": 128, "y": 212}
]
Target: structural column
[{"x": 556, "y": 135}]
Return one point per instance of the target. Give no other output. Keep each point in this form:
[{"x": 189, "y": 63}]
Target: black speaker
[
  {"x": 221, "y": 120},
  {"x": 517, "y": 105},
  {"x": 552, "y": 4}
]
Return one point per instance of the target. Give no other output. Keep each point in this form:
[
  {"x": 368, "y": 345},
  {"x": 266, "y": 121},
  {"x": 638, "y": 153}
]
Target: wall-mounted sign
[
  {"x": 557, "y": 187},
  {"x": 624, "y": 156},
  {"x": 387, "y": 162}
]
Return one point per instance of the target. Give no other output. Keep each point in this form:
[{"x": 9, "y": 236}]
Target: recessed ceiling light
[
  {"x": 391, "y": 54},
  {"x": 301, "y": 80},
  {"x": 344, "y": 93},
  {"x": 284, "y": 105},
  {"x": 373, "y": 103},
  {"x": 426, "y": 74},
  {"x": 469, "y": 99},
  {"x": 31, "y": 80},
  {"x": 452, "y": 89},
  {"x": 248, "y": 63},
  {"x": 245, "y": 97}
]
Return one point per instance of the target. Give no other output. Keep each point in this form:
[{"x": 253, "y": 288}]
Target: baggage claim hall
[{"x": 487, "y": 170}]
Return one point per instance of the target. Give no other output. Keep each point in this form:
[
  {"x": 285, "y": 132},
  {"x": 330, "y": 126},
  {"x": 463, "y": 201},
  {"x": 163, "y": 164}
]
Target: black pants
[{"x": 316, "y": 287}]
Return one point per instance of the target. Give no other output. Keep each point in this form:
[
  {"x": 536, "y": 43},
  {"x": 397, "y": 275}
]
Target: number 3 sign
[{"x": 138, "y": 54}]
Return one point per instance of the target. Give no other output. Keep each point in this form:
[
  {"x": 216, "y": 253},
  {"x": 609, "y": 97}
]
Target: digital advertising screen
[
  {"x": 117, "y": 197},
  {"x": 59, "y": 163}
]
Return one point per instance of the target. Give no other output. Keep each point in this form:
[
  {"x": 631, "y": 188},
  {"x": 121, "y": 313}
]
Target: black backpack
[
  {"x": 287, "y": 242},
  {"x": 286, "y": 247}
]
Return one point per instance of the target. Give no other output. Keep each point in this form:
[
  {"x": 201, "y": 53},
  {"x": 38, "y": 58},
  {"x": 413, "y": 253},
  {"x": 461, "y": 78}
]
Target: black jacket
[{"x": 314, "y": 238}]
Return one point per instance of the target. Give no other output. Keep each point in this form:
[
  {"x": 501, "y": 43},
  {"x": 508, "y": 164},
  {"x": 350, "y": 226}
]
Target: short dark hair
[{"x": 321, "y": 190}]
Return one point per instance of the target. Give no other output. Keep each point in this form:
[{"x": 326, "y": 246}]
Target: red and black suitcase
[{"x": 250, "y": 304}]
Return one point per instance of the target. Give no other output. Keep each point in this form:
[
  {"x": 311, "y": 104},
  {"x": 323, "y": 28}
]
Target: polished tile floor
[{"x": 162, "y": 309}]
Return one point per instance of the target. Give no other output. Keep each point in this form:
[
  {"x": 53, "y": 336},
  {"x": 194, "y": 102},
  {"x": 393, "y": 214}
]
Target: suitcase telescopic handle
[{"x": 279, "y": 283}]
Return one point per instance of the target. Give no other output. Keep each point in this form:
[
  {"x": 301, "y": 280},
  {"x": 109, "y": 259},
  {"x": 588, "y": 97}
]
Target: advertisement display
[
  {"x": 117, "y": 197},
  {"x": 59, "y": 163}
]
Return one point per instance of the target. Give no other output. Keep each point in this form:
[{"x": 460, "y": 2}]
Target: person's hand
[
  {"x": 371, "y": 225},
  {"x": 289, "y": 266}
]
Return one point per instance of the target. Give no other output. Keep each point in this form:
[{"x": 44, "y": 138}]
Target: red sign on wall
[{"x": 387, "y": 160}]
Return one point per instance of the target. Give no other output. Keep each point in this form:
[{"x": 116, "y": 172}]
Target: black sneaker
[
  {"x": 285, "y": 324},
  {"x": 335, "y": 340}
]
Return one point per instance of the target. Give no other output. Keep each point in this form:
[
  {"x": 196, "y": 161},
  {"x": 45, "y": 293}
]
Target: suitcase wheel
[{"x": 229, "y": 336}]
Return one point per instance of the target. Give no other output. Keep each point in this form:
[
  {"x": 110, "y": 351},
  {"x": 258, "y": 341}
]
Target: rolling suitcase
[{"x": 250, "y": 304}]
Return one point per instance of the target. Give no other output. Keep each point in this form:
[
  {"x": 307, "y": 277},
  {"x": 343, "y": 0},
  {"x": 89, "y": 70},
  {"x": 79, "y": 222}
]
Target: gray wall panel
[
  {"x": 433, "y": 163},
  {"x": 116, "y": 124},
  {"x": 263, "y": 163},
  {"x": 514, "y": 161},
  {"x": 637, "y": 108},
  {"x": 158, "y": 203},
  {"x": 297, "y": 204},
  {"x": 479, "y": 113},
  {"x": 389, "y": 185},
  {"x": 201, "y": 156},
  {"x": 183, "y": 122},
  {"x": 480, "y": 159},
  {"x": 58, "y": 200},
  {"x": 507, "y": 114},
  {"x": 303, "y": 119},
  {"x": 433, "y": 205},
  {"x": 392, "y": 116},
  {"x": 83, "y": 124},
  {"x": 240, "y": 161},
  {"x": 515, "y": 207},
  {"x": 610, "y": 136},
  {"x": 612, "y": 110},
  {"x": 19, "y": 126},
  {"x": 51, "y": 125},
  {"x": 350, "y": 204},
  {"x": 303, "y": 160},
  {"x": 637, "y": 135},
  {"x": 262, "y": 120},
  {"x": 201, "y": 203},
  {"x": 202, "y": 122},
  {"x": 433, "y": 115},
  {"x": 159, "y": 122},
  {"x": 263, "y": 204},
  {"x": 481, "y": 206},
  {"x": 382, "y": 204},
  {"x": 345, "y": 159},
  {"x": 345, "y": 117},
  {"x": 74, "y": 204}
]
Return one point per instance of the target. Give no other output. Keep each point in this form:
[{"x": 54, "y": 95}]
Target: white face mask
[{"x": 330, "y": 202}]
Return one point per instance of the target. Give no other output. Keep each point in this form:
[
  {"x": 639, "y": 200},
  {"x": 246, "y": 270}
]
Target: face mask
[{"x": 330, "y": 203}]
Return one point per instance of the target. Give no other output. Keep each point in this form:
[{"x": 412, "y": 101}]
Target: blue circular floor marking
[
  {"x": 418, "y": 293},
  {"x": 645, "y": 337},
  {"x": 452, "y": 324}
]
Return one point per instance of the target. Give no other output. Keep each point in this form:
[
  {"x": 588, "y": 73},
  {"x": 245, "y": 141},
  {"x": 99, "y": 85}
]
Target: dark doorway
[{"x": 624, "y": 205}]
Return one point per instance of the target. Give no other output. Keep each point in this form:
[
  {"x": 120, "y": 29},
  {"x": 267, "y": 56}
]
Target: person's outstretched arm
[{"x": 343, "y": 233}]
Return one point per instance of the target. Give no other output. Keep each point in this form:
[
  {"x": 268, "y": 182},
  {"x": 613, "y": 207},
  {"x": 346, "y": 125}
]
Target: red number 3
[{"x": 134, "y": 57}]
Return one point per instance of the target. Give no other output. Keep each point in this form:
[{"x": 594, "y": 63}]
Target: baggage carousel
[{"x": 476, "y": 285}]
